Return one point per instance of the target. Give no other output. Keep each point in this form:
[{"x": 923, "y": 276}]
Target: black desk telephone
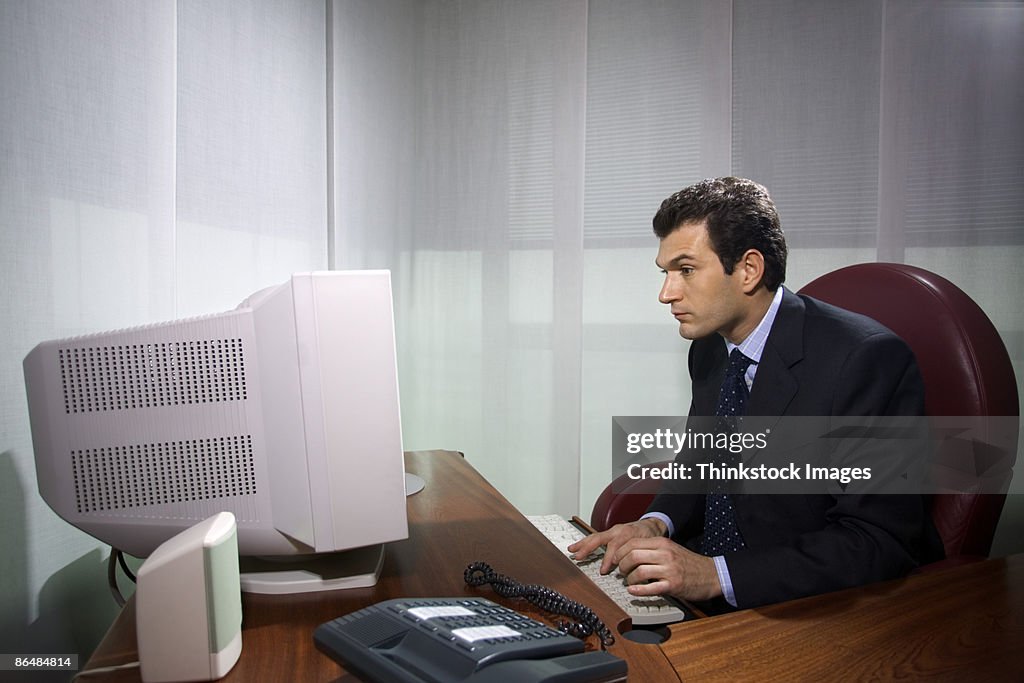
[{"x": 461, "y": 639}]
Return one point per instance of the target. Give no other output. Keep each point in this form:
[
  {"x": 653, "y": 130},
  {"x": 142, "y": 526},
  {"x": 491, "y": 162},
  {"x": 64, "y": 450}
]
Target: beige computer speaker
[{"x": 189, "y": 605}]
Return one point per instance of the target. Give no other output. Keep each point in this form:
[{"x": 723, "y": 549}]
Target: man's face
[{"x": 702, "y": 297}]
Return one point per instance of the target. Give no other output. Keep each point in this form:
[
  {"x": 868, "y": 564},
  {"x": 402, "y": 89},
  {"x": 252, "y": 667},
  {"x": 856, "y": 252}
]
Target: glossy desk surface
[
  {"x": 961, "y": 623},
  {"x": 458, "y": 518},
  {"x": 957, "y": 623}
]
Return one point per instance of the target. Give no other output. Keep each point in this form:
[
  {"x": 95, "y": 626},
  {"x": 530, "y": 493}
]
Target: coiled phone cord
[{"x": 586, "y": 621}]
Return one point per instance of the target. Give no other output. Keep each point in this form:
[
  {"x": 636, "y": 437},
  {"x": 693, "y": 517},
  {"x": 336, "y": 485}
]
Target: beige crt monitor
[{"x": 283, "y": 411}]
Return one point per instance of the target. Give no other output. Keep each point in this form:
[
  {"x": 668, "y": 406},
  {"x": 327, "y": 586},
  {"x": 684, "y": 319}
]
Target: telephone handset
[{"x": 474, "y": 640}]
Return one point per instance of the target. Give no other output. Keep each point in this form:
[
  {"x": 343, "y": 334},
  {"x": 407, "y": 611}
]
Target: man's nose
[{"x": 669, "y": 291}]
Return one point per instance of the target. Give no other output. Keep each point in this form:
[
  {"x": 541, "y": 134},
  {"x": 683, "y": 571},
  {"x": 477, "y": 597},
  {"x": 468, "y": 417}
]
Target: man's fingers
[
  {"x": 615, "y": 540},
  {"x": 588, "y": 544},
  {"x": 584, "y": 546},
  {"x": 625, "y": 555},
  {"x": 639, "y": 560},
  {"x": 649, "y": 588}
]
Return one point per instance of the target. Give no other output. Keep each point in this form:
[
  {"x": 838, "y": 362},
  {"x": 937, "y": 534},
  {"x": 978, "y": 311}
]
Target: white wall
[
  {"x": 157, "y": 160},
  {"x": 542, "y": 137}
]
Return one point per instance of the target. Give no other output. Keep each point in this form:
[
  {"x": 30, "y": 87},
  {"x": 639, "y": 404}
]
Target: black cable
[
  {"x": 112, "y": 578},
  {"x": 124, "y": 566},
  {"x": 586, "y": 621},
  {"x": 116, "y": 558}
]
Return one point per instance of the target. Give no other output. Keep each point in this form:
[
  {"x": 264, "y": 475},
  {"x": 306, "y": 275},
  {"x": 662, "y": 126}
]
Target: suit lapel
[{"x": 774, "y": 384}]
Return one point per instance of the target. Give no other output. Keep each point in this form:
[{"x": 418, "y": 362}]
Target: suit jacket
[{"x": 819, "y": 360}]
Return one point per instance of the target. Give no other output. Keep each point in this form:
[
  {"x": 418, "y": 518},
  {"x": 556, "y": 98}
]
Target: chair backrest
[
  {"x": 623, "y": 500},
  {"x": 963, "y": 361},
  {"x": 964, "y": 364}
]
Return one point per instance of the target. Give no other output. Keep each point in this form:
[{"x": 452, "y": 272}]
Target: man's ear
[{"x": 751, "y": 265}]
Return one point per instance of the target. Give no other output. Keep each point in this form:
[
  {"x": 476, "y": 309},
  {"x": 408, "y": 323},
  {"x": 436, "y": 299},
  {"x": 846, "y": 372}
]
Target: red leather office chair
[{"x": 966, "y": 371}]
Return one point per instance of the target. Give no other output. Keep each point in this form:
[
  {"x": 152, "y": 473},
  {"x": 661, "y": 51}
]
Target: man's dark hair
[{"x": 740, "y": 216}]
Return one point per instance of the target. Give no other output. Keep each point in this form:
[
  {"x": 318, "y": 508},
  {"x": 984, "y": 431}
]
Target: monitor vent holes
[
  {"x": 125, "y": 377},
  {"x": 123, "y": 477}
]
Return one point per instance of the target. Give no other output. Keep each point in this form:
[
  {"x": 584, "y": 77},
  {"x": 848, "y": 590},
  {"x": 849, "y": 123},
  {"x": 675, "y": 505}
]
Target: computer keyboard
[{"x": 645, "y": 611}]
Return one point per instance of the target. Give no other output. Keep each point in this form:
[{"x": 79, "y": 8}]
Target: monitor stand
[
  {"x": 357, "y": 568},
  {"x": 413, "y": 484},
  {"x": 286, "y": 575}
]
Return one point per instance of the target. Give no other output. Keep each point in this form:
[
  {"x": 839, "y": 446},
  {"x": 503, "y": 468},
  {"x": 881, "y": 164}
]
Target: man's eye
[{"x": 686, "y": 270}]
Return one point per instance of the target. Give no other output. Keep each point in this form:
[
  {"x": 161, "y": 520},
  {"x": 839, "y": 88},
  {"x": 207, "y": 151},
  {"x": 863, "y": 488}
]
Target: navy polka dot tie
[{"x": 721, "y": 533}]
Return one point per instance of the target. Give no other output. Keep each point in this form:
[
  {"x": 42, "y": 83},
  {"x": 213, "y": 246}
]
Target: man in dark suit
[{"x": 761, "y": 350}]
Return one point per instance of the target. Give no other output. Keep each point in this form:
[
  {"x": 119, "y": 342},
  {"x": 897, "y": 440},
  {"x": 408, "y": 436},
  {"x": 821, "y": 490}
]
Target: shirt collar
[{"x": 753, "y": 346}]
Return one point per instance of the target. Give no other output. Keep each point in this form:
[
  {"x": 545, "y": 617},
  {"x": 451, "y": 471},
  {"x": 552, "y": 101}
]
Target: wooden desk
[
  {"x": 961, "y": 623},
  {"x": 457, "y": 519},
  {"x": 964, "y": 623}
]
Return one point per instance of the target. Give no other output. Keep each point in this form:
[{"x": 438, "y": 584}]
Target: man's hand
[
  {"x": 656, "y": 566},
  {"x": 651, "y": 563},
  {"x": 612, "y": 539}
]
